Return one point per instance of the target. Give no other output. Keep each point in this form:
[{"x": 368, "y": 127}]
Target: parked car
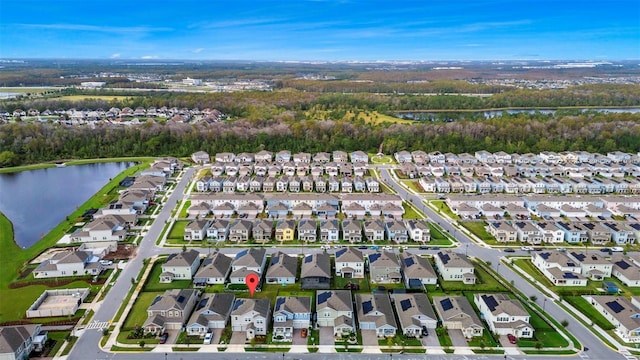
[
  {"x": 424, "y": 247},
  {"x": 207, "y": 338},
  {"x": 163, "y": 338},
  {"x": 435, "y": 248},
  {"x": 106, "y": 262},
  {"x": 425, "y": 331},
  {"x": 512, "y": 339},
  {"x": 363, "y": 247},
  {"x": 509, "y": 250},
  {"x": 526, "y": 248},
  {"x": 374, "y": 247},
  {"x": 617, "y": 249},
  {"x": 388, "y": 248},
  {"x": 605, "y": 250},
  {"x": 304, "y": 332}
]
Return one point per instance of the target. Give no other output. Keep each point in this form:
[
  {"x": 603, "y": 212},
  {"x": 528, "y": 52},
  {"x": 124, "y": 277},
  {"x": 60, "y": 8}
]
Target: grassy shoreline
[
  {"x": 70, "y": 162},
  {"x": 13, "y": 258}
]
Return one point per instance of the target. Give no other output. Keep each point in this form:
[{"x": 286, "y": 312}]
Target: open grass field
[
  {"x": 477, "y": 228},
  {"x": 13, "y": 258},
  {"x": 25, "y": 90},
  {"x": 376, "y": 118}
]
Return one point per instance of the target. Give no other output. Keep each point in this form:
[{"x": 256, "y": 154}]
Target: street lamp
[
  {"x": 544, "y": 303},
  {"x": 498, "y": 268},
  {"x": 466, "y": 250}
]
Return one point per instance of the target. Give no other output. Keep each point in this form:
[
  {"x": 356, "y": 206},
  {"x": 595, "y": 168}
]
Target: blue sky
[{"x": 321, "y": 29}]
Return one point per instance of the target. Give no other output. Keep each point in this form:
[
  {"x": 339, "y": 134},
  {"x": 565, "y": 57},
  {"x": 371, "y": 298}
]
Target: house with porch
[
  {"x": 251, "y": 316},
  {"x": 455, "y": 267},
  {"x": 414, "y": 312},
  {"x": 180, "y": 266},
  {"x": 456, "y": 313},
  {"x": 418, "y": 230},
  {"x": 282, "y": 269},
  {"x": 289, "y": 313},
  {"x": 170, "y": 311},
  {"x": 417, "y": 271},
  {"x": 384, "y": 267},
  {"x": 252, "y": 260},
  {"x": 215, "y": 269},
  {"x": 211, "y": 312},
  {"x": 621, "y": 313},
  {"x": 504, "y": 315},
  {"x": 350, "y": 263},
  {"x": 376, "y": 313},
  {"x": 315, "y": 272}
]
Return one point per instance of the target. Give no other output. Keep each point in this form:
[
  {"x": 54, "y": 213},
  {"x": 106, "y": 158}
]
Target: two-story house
[
  {"x": 290, "y": 313},
  {"x": 315, "y": 272},
  {"x": 68, "y": 263},
  {"x": 334, "y": 308},
  {"x": 170, "y": 310},
  {"x": 215, "y": 269},
  {"x": 504, "y": 315},
  {"x": 592, "y": 265},
  {"x": 414, "y": 312},
  {"x": 384, "y": 267},
  {"x": 418, "y": 230},
  {"x": 396, "y": 231},
  {"x": 559, "y": 268},
  {"x": 417, "y": 271},
  {"x": 247, "y": 261},
  {"x": 251, "y": 316},
  {"x": 282, "y": 269},
  {"x": 212, "y": 312},
  {"x": 376, "y": 313},
  {"x": 456, "y": 313},
  {"x": 180, "y": 266},
  {"x": 455, "y": 267},
  {"x": 350, "y": 263}
]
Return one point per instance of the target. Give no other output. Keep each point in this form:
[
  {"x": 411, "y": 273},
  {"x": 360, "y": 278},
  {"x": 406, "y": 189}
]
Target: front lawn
[
  {"x": 153, "y": 280},
  {"x": 587, "y": 309},
  {"x": 477, "y": 228},
  {"x": 177, "y": 230},
  {"x": 138, "y": 314}
]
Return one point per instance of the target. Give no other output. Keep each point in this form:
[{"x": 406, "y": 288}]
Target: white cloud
[
  {"x": 197, "y": 51},
  {"x": 115, "y": 56},
  {"x": 149, "y": 57}
]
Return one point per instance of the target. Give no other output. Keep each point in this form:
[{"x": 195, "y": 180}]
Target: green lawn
[
  {"x": 413, "y": 185},
  {"x": 437, "y": 236},
  {"x": 441, "y": 206},
  {"x": 185, "y": 207},
  {"x": 177, "y": 230},
  {"x": 584, "y": 307},
  {"x": 411, "y": 212},
  {"x": 138, "y": 314},
  {"x": 153, "y": 280},
  {"x": 477, "y": 228}
]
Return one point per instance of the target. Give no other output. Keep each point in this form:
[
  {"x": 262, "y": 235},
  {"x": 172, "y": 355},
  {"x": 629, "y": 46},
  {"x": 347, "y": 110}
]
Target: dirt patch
[
  {"x": 55, "y": 283},
  {"x": 124, "y": 252}
]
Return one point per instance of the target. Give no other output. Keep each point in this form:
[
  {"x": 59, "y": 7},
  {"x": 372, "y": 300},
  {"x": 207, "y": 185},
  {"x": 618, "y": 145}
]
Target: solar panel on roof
[
  {"x": 308, "y": 259},
  {"x": 615, "y": 306},
  {"x": 274, "y": 260},
  {"x": 408, "y": 261},
  {"x": 405, "y": 304},
  {"x": 323, "y": 297},
  {"x": 202, "y": 303},
  {"x": 373, "y": 257},
  {"x": 242, "y": 253},
  {"x": 367, "y": 306},
  {"x": 279, "y": 302},
  {"x": 578, "y": 256},
  {"x": 237, "y": 304},
  {"x": 570, "y": 275},
  {"x": 623, "y": 264},
  {"x": 490, "y": 301},
  {"x": 569, "y": 263},
  {"x": 180, "y": 299},
  {"x": 340, "y": 252},
  {"x": 156, "y": 300},
  {"x": 446, "y": 304},
  {"x": 445, "y": 258},
  {"x": 545, "y": 255}
]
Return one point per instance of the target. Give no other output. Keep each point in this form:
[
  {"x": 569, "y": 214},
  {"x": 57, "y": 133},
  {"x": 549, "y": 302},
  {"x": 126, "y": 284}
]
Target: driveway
[
  {"x": 504, "y": 340},
  {"x": 457, "y": 338},
  {"x": 297, "y": 337},
  {"x": 217, "y": 334},
  {"x": 369, "y": 338},
  {"x": 431, "y": 339},
  {"x": 326, "y": 336},
  {"x": 238, "y": 337}
]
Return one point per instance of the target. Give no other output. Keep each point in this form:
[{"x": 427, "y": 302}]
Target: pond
[{"x": 36, "y": 201}]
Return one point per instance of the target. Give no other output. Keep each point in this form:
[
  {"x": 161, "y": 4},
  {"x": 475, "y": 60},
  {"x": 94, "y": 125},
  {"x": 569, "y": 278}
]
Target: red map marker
[{"x": 252, "y": 281}]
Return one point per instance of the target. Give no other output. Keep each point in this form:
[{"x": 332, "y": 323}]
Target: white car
[
  {"x": 207, "y": 338},
  {"x": 405, "y": 247},
  {"x": 106, "y": 262},
  {"x": 387, "y": 248},
  {"x": 526, "y": 248}
]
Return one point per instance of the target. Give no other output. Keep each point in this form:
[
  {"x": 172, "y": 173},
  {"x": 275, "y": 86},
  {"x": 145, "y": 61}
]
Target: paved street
[{"x": 88, "y": 343}]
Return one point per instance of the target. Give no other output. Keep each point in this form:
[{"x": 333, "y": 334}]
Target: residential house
[
  {"x": 419, "y": 230},
  {"x": 180, "y": 266},
  {"x": 374, "y": 230},
  {"x": 559, "y": 268},
  {"x": 201, "y": 157},
  {"x": 592, "y": 265},
  {"x": 215, "y": 269},
  {"x": 359, "y": 156},
  {"x": 196, "y": 229},
  {"x": 455, "y": 267},
  {"x": 527, "y": 232},
  {"x": 340, "y": 156},
  {"x": 17, "y": 342},
  {"x": 626, "y": 270},
  {"x": 376, "y": 313},
  {"x": 219, "y": 230},
  {"x": 212, "y": 312},
  {"x": 107, "y": 228},
  {"x": 414, "y": 312},
  {"x": 170, "y": 311},
  {"x": 621, "y": 234},
  {"x": 315, "y": 272},
  {"x": 396, "y": 231},
  {"x": 504, "y": 315},
  {"x": 240, "y": 230},
  {"x": 247, "y": 261},
  {"x": 334, "y": 308},
  {"x": 598, "y": 234},
  {"x": 282, "y": 269},
  {"x": 289, "y": 313},
  {"x": 283, "y": 156},
  {"x": 621, "y": 313},
  {"x": 329, "y": 231},
  {"x": 573, "y": 232},
  {"x": 352, "y": 231},
  {"x": 308, "y": 230},
  {"x": 262, "y": 230},
  {"x": 456, "y": 313},
  {"x": 285, "y": 230},
  {"x": 502, "y": 231},
  {"x": 251, "y": 316},
  {"x": 417, "y": 271},
  {"x": 68, "y": 263},
  {"x": 349, "y": 263},
  {"x": 384, "y": 267},
  {"x": 551, "y": 232}
]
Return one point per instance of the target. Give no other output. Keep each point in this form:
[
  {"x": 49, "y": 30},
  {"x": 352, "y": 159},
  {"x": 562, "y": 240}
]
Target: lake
[
  {"x": 36, "y": 201},
  {"x": 450, "y": 115}
]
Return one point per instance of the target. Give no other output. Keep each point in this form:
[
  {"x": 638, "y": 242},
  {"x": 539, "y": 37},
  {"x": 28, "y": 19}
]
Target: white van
[{"x": 207, "y": 338}]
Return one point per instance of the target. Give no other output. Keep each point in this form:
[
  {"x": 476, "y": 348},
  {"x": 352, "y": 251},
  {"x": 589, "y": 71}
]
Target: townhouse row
[
  {"x": 327, "y": 231},
  {"x": 290, "y": 183}
]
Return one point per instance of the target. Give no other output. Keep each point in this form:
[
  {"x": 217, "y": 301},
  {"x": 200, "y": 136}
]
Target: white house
[
  {"x": 334, "y": 308},
  {"x": 455, "y": 267},
  {"x": 349, "y": 263},
  {"x": 504, "y": 315},
  {"x": 211, "y": 312},
  {"x": 622, "y": 314},
  {"x": 180, "y": 266},
  {"x": 251, "y": 316}
]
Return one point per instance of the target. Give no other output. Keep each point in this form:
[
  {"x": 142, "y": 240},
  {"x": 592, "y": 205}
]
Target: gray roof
[
  {"x": 411, "y": 307},
  {"x": 457, "y": 308},
  {"x": 375, "y": 308},
  {"x": 621, "y": 309},
  {"x": 185, "y": 258},
  {"x": 384, "y": 259},
  {"x": 215, "y": 265},
  {"x": 415, "y": 266},
  {"x": 252, "y": 257},
  {"x": 452, "y": 259},
  {"x": 282, "y": 265},
  {"x": 501, "y": 303},
  {"x": 339, "y": 300},
  {"x": 349, "y": 254},
  {"x": 243, "y": 306},
  {"x": 13, "y": 337},
  {"x": 172, "y": 299},
  {"x": 316, "y": 265},
  {"x": 212, "y": 307},
  {"x": 293, "y": 304}
]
